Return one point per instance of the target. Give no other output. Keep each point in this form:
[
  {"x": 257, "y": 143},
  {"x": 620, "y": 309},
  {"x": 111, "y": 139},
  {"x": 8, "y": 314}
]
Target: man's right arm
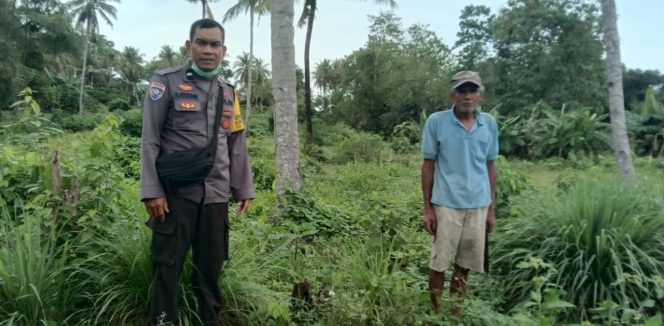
[
  {"x": 429, "y": 154},
  {"x": 155, "y": 109},
  {"x": 428, "y": 169}
]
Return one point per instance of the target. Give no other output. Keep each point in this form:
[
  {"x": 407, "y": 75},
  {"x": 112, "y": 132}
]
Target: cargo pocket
[{"x": 163, "y": 240}]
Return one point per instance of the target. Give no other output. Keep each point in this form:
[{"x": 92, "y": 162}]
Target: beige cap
[{"x": 466, "y": 76}]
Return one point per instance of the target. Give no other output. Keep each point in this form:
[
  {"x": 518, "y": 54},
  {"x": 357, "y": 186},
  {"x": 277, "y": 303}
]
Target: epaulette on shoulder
[
  {"x": 221, "y": 80},
  {"x": 167, "y": 71}
]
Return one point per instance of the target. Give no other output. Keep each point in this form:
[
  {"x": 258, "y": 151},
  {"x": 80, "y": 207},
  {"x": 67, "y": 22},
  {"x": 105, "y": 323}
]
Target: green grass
[
  {"x": 354, "y": 233},
  {"x": 604, "y": 241},
  {"x": 34, "y": 285}
]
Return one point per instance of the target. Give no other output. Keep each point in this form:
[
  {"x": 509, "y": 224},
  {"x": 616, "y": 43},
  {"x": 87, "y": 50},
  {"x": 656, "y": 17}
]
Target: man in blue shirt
[{"x": 459, "y": 147}]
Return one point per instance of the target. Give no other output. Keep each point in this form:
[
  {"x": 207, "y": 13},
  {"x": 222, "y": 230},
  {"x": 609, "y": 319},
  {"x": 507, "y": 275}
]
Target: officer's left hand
[{"x": 242, "y": 206}]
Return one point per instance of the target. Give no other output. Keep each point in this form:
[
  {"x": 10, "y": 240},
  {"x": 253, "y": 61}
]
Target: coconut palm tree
[
  {"x": 183, "y": 54},
  {"x": 308, "y": 15},
  {"x": 323, "y": 78},
  {"x": 87, "y": 12},
  {"x": 323, "y": 75},
  {"x": 621, "y": 145},
  {"x": 131, "y": 70},
  {"x": 287, "y": 151},
  {"x": 260, "y": 73},
  {"x": 102, "y": 60},
  {"x": 205, "y": 4},
  {"x": 168, "y": 56},
  {"x": 253, "y": 7}
]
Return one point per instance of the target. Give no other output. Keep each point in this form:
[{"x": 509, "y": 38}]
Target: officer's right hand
[
  {"x": 430, "y": 221},
  {"x": 157, "y": 208}
]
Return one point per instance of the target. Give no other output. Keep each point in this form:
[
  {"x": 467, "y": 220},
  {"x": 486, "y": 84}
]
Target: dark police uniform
[{"x": 179, "y": 113}]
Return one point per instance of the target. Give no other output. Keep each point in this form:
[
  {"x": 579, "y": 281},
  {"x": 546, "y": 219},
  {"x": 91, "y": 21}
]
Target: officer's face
[{"x": 206, "y": 48}]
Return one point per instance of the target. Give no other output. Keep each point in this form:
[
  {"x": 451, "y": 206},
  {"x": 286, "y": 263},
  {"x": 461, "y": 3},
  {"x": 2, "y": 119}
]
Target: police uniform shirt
[{"x": 179, "y": 113}]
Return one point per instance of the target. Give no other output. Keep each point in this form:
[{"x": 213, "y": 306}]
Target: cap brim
[{"x": 465, "y": 81}]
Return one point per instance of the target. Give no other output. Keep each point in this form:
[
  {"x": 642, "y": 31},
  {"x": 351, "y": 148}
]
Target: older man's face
[{"x": 466, "y": 97}]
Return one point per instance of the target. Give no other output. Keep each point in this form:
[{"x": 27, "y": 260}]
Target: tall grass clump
[
  {"x": 371, "y": 288},
  {"x": 603, "y": 240},
  {"x": 118, "y": 279},
  {"x": 256, "y": 279},
  {"x": 34, "y": 286}
]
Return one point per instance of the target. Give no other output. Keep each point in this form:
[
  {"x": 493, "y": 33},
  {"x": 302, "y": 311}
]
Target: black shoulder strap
[{"x": 217, "y": 119}]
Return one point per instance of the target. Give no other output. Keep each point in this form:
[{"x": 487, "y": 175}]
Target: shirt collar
[{"x": 478, "y": 116}]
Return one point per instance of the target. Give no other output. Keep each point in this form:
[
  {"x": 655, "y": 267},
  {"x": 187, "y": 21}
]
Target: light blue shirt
[{"x": 461, "y": 179}]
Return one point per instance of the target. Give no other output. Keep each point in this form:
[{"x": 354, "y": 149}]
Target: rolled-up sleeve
[
  {"x": 155, "y": 109},
  {"x": 429, "y": 140}
]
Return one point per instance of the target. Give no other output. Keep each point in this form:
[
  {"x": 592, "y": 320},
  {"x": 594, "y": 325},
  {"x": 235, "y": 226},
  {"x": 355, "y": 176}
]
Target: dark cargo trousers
[{"x": 205, "y": 229}]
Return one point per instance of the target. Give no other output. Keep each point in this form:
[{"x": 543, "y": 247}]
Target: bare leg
[
  {"x": 436, "y": 285},
  {"x": 458, "y": 287}
]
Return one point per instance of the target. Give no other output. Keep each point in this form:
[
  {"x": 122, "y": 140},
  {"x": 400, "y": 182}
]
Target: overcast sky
[{"x": 341, "y": 27}]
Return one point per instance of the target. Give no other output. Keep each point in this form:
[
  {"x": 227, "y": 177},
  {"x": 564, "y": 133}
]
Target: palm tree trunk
[
  {"x": 251, "y": 66},
  {"x": 308, "y": 113},
  {"x": 616, "y": 97},
  {"x": 204, "y": 3},
  {"x": 133, "y": 90},
  {"x": 283, "y": 88},
  {"x": 85, "y": 62}
]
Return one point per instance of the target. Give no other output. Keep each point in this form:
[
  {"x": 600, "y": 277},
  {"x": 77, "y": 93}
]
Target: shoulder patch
[
  {"x": 156, "y": 90},
  {"x": 237, "y": 123}
]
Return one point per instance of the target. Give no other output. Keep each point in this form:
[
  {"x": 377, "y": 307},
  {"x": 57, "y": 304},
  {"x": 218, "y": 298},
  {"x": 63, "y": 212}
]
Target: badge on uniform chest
[
  {"x": 186, "y": 87},
  {"x": 192, "y": 96}
]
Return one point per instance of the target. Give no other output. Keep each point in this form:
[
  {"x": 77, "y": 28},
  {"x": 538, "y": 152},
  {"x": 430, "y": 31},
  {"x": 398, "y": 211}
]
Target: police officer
[{"x": 179, "y": 114}]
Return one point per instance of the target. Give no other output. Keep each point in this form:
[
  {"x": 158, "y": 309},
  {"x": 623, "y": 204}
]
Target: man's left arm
[
  {"x": 241, "y": 181},
  {"x": 491, "y": 170},
  {"x": 491, "y": 214}
]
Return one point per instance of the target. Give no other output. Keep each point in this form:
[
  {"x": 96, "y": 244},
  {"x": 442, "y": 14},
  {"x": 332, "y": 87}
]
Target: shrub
[
  {"x": 303, "y": 209},
  {"x": 605, "y": 239},
  {"x": 548, "y": 132},
  {"x": 646, "y": 127},
  {"x": 131, "y": 122},
  {"x": 575, "y": 131},
  {"x": 76, "y": 122},
  {"x": 510, "y": 184},
  {"x": 360, "y": 147},
  {"x": 105, "y": 95},
  {"x": 260, "y": 124},
  {"x": 263, "y": 168},
  {"x": 119, "y": 105}
]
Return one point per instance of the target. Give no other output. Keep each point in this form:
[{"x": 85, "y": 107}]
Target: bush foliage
[{"x": 603, "y": 241}]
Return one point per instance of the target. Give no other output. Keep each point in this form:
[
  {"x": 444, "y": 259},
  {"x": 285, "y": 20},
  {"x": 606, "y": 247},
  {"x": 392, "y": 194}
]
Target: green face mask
[{"x": 205, "y": 74}]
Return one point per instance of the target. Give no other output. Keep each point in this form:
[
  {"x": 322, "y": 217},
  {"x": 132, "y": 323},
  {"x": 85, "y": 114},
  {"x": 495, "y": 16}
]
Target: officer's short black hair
[{"x": 206, "y": 23}]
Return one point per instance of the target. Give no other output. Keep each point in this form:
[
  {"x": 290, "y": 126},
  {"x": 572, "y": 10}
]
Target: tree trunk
[
  {"x": 133, "y": 91},
  {"x": 85, "y": 62},
  {"x": 308, "y": 113},
  {"x": 204, "y": 3},
  {"x": 616, "y": 98},
  {"x": 251, "y": 66},
  {"x": 283, "y": 88}
]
